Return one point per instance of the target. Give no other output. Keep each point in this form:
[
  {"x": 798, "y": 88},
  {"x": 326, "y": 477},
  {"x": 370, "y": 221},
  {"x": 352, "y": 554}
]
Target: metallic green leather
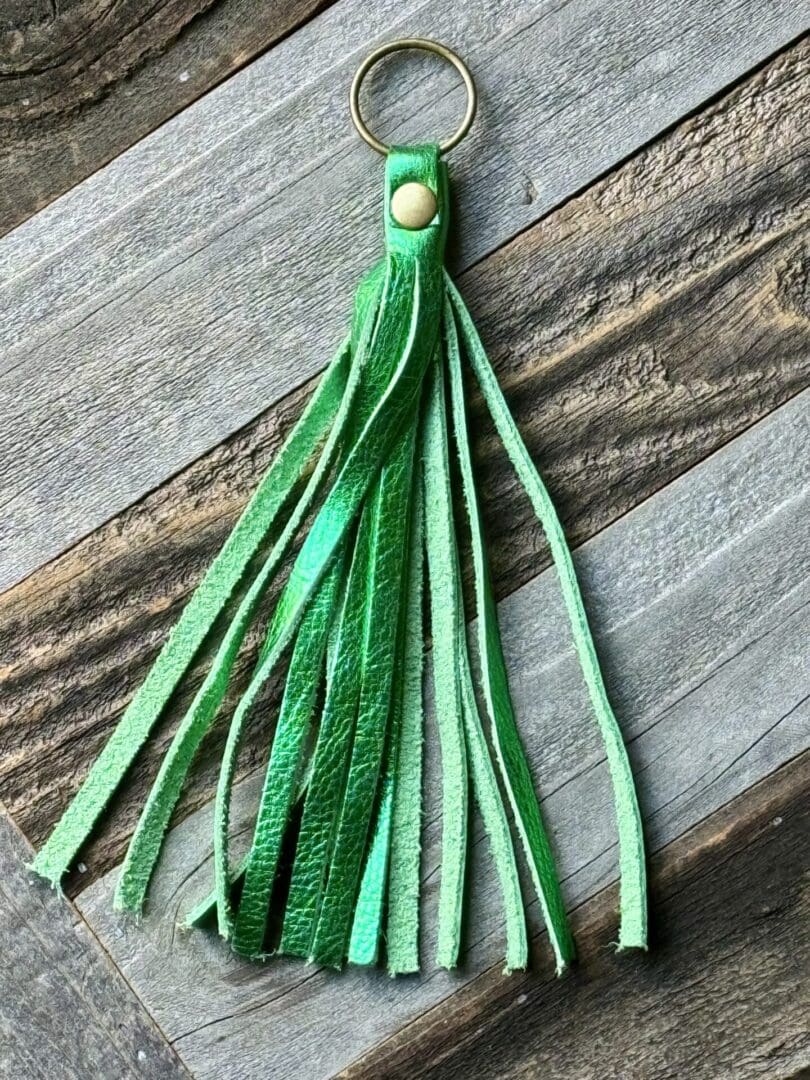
[
  {"x": 283, "y": 771},
  {"x": 221, "y": 580},
  {"x": 370, "y": 464},
  {"x": 332, "y": 753},
  {"x": 396, "y": 846},
  {"x": 378, "y": 656}
]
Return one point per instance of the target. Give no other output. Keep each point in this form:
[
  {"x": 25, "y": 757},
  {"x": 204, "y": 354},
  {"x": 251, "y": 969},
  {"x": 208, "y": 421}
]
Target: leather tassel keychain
[{"x": 370, "y": 464}]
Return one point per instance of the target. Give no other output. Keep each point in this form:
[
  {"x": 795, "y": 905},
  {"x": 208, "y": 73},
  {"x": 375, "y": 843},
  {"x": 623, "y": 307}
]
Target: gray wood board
[
  {"x": 64, "y": 1009},
  {"x": 203, "y": 274},
  {"x": 84, "y": 80},
  {"x": 723, "y": 995},
  {"x": 699, "y": 600}
]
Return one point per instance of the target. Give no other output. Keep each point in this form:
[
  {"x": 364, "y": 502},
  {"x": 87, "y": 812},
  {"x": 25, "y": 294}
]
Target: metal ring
[{"x": 426, "y": 46}]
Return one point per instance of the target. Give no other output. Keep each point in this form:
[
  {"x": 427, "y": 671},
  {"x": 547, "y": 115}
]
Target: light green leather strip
[
  {"x": 514, "y": 767},
  {"x": 364, "y": 943},
  {"x": 493, "y": 813},
  {"x": 445, "y": 600},
  {"x": 633, "y": 932},
  {"x": 374, "y": 710},
  {"x": 443, "y": 562},
  {"x": 148, "y": 837},
  {"x": 402, "y": 927},
  {"x": 304, "y": 677},
  {"x": 198, "y": 618}
]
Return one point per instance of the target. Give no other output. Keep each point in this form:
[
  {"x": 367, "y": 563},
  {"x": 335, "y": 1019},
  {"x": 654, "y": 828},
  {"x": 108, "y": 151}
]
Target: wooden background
[{"x": 184, "y": 210}]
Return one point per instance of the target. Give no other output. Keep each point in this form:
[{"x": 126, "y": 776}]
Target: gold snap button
[{"x": 413, "y": 206}]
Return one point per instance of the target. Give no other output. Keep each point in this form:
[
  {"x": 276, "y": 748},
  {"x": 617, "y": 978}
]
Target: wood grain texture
[
  {"x": 723, "y": 995},
  {"x": 64, "y": 1009},
  {"x": 700, "y": 600},
  {"x": 209, "y": 272},
  {"x": 673, "y": 314},
  {"x": 81, "y": 82}
]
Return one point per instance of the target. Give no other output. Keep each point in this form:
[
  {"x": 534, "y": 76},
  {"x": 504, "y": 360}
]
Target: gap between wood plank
[
  {"x": 171, "y": 328},
  {"x": 59, "y": 982},
  {"x": 474, "y": 1024},
  {"x": 704, "y": 106},
  {"x": 696, "y": 586}
]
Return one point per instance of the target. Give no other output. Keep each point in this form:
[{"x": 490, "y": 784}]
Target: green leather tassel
[{"x": 371, "y": 463}]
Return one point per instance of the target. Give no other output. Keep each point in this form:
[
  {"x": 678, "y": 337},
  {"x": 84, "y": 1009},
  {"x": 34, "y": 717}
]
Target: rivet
[{"x": 413, "y": 206}]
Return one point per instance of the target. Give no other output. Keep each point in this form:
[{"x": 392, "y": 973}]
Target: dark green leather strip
[
  {"x": 445, "y": 602},
  {"x": 378, "y": 654},
  {"x": 364, "y": 942},
  {"x": 198, "y": 618},
  {"x": 514, "y": 767},
  {"x": 633, "y": 932},
  {"x": 402, "y": 927},
  {"x": 304, "y": 677},
  {"x": 332, "y": 753}
]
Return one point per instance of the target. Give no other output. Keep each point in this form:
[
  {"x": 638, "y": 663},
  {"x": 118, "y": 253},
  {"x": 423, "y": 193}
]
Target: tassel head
[{"x": 416, "y": 182}]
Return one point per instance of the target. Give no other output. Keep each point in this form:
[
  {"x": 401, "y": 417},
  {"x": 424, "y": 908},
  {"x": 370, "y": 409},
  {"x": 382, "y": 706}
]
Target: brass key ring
[{"x": 426, "y": 45}]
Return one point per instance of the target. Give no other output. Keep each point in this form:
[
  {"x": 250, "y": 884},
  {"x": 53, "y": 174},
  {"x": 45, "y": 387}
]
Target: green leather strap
[
  {"x": 364, "y": 942},
  {"x": 304, "y": 677},
  {"x": 377, "y": 670},
  {"x": 148, "y": 837},
  {"x": 198, "y": 618},
  {"x": 331, "y": 757},
  {"x": 402, "y": 927},
  {"x": 445, "y": 601},
  {"x": 514, "y": 768},
  {"x": 367, "y": 924},
  {"x": 454, "y": 679},
  {"x": 633, "y": 932},
  {"x": 493, "y": 813}
]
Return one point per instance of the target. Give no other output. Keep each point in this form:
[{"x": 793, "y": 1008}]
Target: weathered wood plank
[
  {"x": 165, "y": 305},
  {"x": 676, "y": 316},
  {"x": 700, "y": 602},
  {"x": 723, "y": 996},
  {"x": 64, "y": 1009},
  {"x": 82, "y": 82}
]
